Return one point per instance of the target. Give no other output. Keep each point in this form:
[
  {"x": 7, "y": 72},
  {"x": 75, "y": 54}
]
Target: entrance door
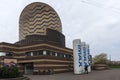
[{"x": 29, "y": 68}]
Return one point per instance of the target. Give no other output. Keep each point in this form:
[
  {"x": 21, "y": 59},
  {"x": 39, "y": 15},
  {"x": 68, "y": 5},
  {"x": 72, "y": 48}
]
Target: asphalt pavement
[{"x": 111, "y": 74}]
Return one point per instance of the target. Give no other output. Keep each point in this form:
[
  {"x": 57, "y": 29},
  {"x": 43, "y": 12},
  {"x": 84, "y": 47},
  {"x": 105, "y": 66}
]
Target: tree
[{"x": 101, "y": 58}]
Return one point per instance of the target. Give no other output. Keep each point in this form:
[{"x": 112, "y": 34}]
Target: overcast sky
[{"x": 96, "y": 22}]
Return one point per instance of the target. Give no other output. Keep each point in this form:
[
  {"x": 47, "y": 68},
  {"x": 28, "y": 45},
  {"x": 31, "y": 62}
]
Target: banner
[
  {"x": 89, "y": 58},
  {"x": 10, "y": 62},
  {"x": 81, "y": 56},
  {"x": 77, "y": 55}
]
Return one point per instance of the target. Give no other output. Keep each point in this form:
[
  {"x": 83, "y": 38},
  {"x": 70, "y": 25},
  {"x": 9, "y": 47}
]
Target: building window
[
  {"x": 6, "y": 54},
  {"x": 61, "y": 55},
  {"x": 58, "y": 54},
  {"x": 50, "y": 53},
  {"x": 40, "y": 52},
  {"x": 55, "y": 54},
  {"x": 28, "y": 54},
  {"x": 9, "y": 54},
  {"x": 68, "y": 56},
  {"x": 34, "y": 53},
  {"x": 31, "y": 53},
  {"x": 44, "y": 52},
  {"x": 64, "y": 55},
  {"x": 2, "y": 53}
]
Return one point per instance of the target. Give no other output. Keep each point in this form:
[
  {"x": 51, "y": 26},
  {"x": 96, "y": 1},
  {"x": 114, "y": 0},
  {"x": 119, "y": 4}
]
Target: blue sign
[
  {"x": 85, "y": 57},
  {"x": 88, "y": 57},
  {"x": 79, "y": 55}
]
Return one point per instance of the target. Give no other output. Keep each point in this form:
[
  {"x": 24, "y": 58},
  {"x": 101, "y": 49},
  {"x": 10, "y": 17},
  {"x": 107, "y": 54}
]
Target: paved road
[{"x": 112, "y": 74}]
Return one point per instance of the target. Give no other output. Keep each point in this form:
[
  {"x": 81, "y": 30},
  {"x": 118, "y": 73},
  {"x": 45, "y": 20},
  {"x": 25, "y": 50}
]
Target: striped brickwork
[
  {"x": 42, "y": 63},
  {"x": 36, "y": 18}
]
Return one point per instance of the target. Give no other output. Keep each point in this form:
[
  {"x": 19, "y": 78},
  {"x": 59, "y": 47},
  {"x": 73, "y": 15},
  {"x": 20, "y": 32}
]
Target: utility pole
[{"x": 110, "y": 59}]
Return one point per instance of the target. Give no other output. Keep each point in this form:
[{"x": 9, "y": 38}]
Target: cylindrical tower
[
  {"x": 77, "y": 56},
  {"x": 36, "y": 18}
]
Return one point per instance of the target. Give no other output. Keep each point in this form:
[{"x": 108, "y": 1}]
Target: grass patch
[{"x": 114, "y": 66}]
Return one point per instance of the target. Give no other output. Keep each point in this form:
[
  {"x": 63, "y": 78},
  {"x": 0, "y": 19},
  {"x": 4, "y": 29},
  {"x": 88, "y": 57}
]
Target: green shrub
[
  {"x": 9, "y": 72},
  {"x": 114, "y": 65}
]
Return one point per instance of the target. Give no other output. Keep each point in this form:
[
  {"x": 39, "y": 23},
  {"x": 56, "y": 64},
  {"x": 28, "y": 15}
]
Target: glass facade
[
  {"x": 49, "y": 53},
  {"x": 6, "y": 53},
  {"x": 34, "y": 53}
]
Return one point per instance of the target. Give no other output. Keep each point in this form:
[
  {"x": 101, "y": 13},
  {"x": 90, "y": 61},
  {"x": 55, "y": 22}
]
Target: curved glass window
[
  {"x": 6, "y": 54},
  {"x": 9, "y": 54},
  {"x": 34, "y": 53},
  {"x": 49, "y": 53},
  {"x": 2, "y": 53}
]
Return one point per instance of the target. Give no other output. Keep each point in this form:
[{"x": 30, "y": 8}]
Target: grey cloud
[{"x": 97, "y": 25}]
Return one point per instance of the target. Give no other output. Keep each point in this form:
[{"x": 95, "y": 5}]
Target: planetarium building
[{"x": 41, "y": 47}]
